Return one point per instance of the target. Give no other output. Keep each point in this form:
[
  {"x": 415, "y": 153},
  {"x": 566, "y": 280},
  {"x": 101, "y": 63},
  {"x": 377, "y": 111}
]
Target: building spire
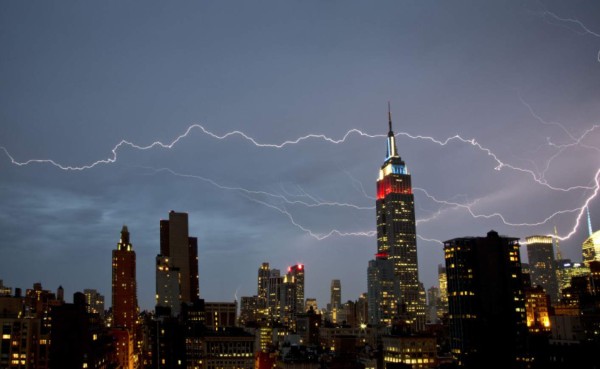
[
  {"x": 390, "y": 119},
  {"x": 391, "y": 141},
  {"x": 589, "y": 221},
  {"x": 558, "y": 255}
]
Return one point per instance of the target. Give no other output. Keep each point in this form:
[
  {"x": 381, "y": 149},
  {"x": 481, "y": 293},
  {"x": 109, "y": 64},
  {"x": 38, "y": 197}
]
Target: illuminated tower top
[
  {"x": 393, "y": 164},
  {"x": 124, "y": 243}
]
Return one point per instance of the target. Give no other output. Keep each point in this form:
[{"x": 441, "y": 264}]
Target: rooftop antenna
[
  {"x": 390, "y": 116},
  {"x": 589, "y": 220}
]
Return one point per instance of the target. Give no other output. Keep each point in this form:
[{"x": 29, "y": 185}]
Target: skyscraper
[
  {"x": 297, "y": 272},
  {"x": 336, "y": 293},
  {"x": 263, "y": 289},
  {"x": 124, "y": 290},
  {"x": 177, "y": 261},
  {"x": 124, "y": 301},
  {"x": 292, "y": 294},
  {"x": 382, "y": 290},
  {"x": 486, "y": 298},
  {"x": 540, "y": 253},
  {"x": 396, "y": 230}
]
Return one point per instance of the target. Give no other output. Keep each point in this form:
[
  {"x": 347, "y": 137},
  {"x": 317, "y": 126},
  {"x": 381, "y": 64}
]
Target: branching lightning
[
  {"x": 583, "y": 30},
  {"x": 315, "y": 202},
  {"x": 499, "y": 163},
  {"x": 246, "y": 191}
]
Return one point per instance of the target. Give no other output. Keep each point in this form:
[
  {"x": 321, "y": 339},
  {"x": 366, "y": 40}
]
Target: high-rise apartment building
[
  {"x": 396, "y": 230},
  {"x": 177, "y": 261},
  {"x": 540, "y": 252},
  {"x": 124, "y": 301},
  {"x": 486, "y": 298},
  {"x": 94, "y": 302},
  {"x": 296, "y": 272},
  {"x": 291, "y": 295},
  {"x": 263, "y": 289},
  {"x": 273, "y": 294}
]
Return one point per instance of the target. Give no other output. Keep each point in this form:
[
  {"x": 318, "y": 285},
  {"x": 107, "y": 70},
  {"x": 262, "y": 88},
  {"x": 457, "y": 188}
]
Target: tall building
[
  {"x": 486, "y": 297},
  {"x": 124, "y": 290},
  {"x": 336, "y": 293},
  {"x": 297, "y": 273},
  {"x": 540, "y": 253},
  {"x": 396, "y": 230},
  {"x": 591, "y": 248},
  {"x": 443, "y": 280},
  {"x": 273, "y": 294},
  {"x": 433, "y": 300},
  {"x": 382, "y": 290},
  {"x": 124, "y": 301},
  {"x": 263, "y": 289},
  {"x": 167, "y": 287},
  {"x": 178, "y": 260},
  {"x": 291, "y": 295},
  {"x": 566, "y": 271}
]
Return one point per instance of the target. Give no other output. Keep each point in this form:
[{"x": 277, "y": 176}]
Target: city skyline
[{"x": 520, "y": 79}]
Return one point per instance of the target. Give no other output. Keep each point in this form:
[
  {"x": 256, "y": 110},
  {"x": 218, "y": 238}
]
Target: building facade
[
  {"x": 124, "y": 301},
  {"x": 177, "y": 261},
  {"x": 486, "y": 297},
  {"x": 382, "y": 290},
  {"x": 542, "y": 265}
]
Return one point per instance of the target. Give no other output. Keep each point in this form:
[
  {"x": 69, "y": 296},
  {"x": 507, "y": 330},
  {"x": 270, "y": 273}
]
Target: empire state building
[{"x": 396, "y": 231}]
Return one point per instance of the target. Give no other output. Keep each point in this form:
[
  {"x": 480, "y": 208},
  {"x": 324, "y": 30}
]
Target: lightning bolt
[
  {"x": 495, "y": 215},
  {"x": 583, "y": 29},
  {"x": 499, "y": 163},
  {"x": 264, "y": 193},
  {"x": 317, "y": 236},
  {"x": 539, "y": 178}
]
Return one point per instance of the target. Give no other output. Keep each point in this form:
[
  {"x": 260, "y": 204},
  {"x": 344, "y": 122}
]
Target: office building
[
  {"x": 396, "y": 230},
  {"x": 383, "y": 291},
  {"x": 540, "y": 252}
]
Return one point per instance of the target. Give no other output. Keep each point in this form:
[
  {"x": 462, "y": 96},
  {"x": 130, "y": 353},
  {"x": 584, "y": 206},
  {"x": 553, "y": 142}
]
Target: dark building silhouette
[
  {"x": 396, "y": 230},
  {"x": 78, "y": 338},
  {"x": 486, "y": 298}
]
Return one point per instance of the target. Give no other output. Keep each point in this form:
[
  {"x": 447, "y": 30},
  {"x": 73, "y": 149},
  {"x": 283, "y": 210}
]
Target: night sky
[{"x": 519, "y": 82}]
